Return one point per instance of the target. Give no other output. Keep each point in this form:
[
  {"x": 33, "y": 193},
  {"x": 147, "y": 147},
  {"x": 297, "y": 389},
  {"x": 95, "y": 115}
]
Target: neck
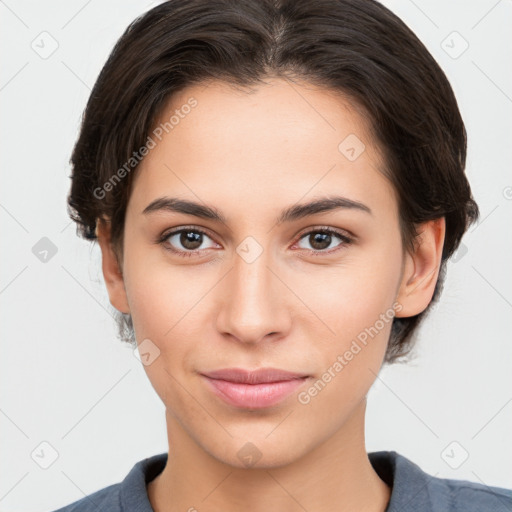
[{"x": 335, "y": 476}]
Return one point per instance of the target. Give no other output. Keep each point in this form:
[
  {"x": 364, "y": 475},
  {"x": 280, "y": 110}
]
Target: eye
[
  {"x": 185, "y": 241},
  {"x": 321, "y": 240},
  {"x": 188, "y": 241}
]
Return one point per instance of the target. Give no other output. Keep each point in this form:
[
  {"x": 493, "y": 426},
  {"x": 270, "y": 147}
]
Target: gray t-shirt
[{"x": 412, "y": 489}]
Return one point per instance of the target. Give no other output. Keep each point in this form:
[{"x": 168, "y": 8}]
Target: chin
[{"x": 255, "y": 453}]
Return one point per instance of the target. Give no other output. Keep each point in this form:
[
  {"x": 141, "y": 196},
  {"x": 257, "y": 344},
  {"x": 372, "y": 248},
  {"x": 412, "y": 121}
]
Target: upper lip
[{"x": 258, "y": 376}]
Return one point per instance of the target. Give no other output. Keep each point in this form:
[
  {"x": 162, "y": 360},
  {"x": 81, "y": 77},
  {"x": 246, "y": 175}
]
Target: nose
[{"x": 253, "y": 304}]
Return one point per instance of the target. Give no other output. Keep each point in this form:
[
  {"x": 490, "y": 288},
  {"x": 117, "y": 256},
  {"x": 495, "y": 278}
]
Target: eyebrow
[{"x": 292, "y": 213}]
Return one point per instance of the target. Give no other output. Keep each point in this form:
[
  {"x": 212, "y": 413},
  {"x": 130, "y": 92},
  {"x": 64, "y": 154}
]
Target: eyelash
[{"x": 347, "y": 240}]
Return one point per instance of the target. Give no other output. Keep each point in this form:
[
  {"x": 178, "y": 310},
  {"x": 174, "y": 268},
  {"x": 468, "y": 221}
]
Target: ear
[
  {"x": 112, "y": 271},
  {"x": 421, "y": 268}
]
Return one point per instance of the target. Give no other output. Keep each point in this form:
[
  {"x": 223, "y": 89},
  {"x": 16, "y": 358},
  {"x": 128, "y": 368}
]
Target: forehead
[{"x": 280, "y": 141}]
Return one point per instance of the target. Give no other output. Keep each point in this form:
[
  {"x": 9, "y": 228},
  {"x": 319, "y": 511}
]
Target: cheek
[
  {"x": 167, "y": 306},
  {"x": 351, "y": 297},
  {"x": 350, "y": 362},
  {"x": 164, "y": 318},
  {"x": 160, "y": 294},
  {"x": 355, "y": 306}
]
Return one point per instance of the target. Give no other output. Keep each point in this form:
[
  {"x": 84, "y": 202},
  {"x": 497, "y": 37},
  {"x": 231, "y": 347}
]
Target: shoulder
[
  {"x": 104, "y": 499},
  {"x": 463, "y": 495},
  {"x": 414, "y": 489},
  {"x": 130, "y": 494}
]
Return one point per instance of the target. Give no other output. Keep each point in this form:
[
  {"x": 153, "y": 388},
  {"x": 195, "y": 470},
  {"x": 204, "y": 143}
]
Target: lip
[
  {"x": 258, "y": 376},
  {"x": 254, "y": 389}
]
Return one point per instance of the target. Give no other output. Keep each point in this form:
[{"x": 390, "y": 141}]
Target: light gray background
[{"x": 67, "y": 380}]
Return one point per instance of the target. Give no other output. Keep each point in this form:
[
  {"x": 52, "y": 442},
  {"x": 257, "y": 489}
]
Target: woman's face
[{"x": 252, "y": 292}]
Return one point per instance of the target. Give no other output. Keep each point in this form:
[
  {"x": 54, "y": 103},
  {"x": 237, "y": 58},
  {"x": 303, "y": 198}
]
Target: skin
[{"x": 250, "y": 156}]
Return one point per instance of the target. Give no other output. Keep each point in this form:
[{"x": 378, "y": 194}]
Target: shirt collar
[{"x": 409, "y": 484}]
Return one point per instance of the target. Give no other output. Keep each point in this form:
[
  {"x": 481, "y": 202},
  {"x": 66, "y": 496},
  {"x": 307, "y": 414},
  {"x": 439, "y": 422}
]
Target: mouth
[{"x": 256, "y": 389}]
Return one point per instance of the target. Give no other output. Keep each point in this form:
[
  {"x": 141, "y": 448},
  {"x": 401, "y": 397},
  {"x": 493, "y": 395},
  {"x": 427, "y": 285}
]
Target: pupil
[
  {"x": 190, "y": 239},
  {"x": 321, "y": 238}
]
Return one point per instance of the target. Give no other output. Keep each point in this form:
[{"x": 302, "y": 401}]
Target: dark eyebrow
[
  {"x": 172, "y": 204},
  {"x": 323, "y": 204},
  {"x": 290, "y": 214}
]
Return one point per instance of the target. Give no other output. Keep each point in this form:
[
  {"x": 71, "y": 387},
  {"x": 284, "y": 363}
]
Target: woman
[{"x": 276, "y": 187}]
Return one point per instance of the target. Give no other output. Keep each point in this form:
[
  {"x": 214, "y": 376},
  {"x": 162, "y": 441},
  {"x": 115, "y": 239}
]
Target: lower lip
[{"x": 254, "y": 396}]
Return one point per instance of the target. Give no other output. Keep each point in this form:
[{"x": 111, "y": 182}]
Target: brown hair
[{"x": 356, "y": 47}]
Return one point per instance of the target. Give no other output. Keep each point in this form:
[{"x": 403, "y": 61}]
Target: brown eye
[
  {"x": 321, "y": 240},
  {"x": 190, "y": 240},
  {"x": 186, "y": 241}
]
